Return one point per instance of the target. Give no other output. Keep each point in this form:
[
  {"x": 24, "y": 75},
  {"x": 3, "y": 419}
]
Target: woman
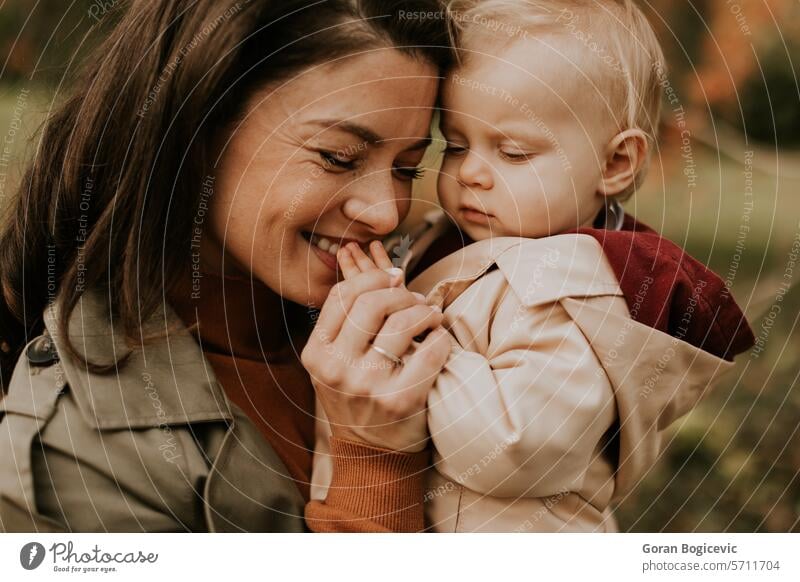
[{"x": 165, "y": 257}]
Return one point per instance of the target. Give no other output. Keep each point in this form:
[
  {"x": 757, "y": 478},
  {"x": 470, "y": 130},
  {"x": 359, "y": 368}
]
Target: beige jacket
[{"x": 549, "y": 382}]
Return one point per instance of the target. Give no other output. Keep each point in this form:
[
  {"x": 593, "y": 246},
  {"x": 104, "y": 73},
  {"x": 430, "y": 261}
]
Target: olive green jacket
[{"x": 152, "y": 446}]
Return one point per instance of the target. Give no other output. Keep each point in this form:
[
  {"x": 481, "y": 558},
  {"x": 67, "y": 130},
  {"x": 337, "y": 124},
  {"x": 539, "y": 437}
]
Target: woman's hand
[{"x": 366, "y": 395}]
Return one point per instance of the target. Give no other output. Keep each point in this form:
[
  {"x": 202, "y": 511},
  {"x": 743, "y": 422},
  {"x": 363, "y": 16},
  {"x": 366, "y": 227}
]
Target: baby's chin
[
  {"x": 476, "y": 232},
  {"x": 498, "y": 229}
]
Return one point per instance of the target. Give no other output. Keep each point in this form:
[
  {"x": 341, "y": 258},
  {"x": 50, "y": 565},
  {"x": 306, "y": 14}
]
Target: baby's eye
[
  {"x": 408, "y": 172},
  {"x": 516, "y": 156},
  {"x": 332, "y": 160}
]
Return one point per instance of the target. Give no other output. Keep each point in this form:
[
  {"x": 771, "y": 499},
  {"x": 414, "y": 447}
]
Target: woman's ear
[{"x": 625, "y": 156}]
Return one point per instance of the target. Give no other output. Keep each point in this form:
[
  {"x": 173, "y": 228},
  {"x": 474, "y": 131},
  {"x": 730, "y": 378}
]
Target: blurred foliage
[
  {"x": 39, "y": 39},
  {"x": 769, "y": 111},
  {"x": 733, "y": 464},
  {"x": 735, "y": 62}
]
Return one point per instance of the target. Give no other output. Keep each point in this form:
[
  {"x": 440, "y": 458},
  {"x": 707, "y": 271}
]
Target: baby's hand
[{"x": 353, "y": 260}]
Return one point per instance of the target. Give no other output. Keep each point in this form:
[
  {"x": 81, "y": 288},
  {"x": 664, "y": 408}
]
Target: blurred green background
[{"x": 733, "y": 463}]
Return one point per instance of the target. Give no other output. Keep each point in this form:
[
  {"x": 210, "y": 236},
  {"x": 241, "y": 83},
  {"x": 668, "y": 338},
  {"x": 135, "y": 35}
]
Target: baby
[{"x": 578, "y": 333}]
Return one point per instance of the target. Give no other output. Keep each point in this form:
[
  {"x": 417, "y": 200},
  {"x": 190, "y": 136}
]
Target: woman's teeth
[{"x": 325, "y": 244}]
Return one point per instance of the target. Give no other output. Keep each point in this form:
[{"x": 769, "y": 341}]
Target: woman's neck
[{"x": 235, "y": 315}]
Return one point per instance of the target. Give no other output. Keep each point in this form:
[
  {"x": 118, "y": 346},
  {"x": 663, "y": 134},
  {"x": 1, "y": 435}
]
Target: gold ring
[{"x": 388, "y": 354}]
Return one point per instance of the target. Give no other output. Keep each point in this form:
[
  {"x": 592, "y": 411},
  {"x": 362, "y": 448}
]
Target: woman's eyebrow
[{"x": 365, "y": 133}]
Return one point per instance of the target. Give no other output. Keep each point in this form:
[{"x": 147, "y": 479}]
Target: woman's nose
[
  {"x": 475, "y": 171},
  {"x": 374, "y": 205}
]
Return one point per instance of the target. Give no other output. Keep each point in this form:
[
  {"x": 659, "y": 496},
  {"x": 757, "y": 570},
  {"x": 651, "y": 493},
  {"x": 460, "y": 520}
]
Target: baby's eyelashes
[{"x": 516, "y": 156}]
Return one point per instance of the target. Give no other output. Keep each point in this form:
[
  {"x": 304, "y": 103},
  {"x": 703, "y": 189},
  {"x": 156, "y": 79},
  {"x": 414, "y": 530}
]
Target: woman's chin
[
  {"x": 316, "y": 299},
  {"x": 312, "y": 291}
]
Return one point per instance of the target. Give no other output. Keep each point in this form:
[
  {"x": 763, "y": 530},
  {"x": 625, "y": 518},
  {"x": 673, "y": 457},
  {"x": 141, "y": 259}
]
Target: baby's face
[{"x": 525, "y": 145}]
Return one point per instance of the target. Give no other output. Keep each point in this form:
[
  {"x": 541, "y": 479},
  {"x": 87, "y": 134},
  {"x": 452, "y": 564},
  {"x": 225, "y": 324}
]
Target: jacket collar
[
  {"x": 442, "y": 282},
  {"x": 539, "y": 271},
  {"x": 162, "y": 382}
]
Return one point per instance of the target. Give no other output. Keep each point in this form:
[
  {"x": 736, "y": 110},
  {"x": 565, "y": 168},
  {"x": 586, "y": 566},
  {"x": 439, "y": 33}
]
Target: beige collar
[{"x": 538, "y": 270}]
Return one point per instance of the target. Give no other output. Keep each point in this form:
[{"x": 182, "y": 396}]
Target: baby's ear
[{"x": 625, "y": 156}]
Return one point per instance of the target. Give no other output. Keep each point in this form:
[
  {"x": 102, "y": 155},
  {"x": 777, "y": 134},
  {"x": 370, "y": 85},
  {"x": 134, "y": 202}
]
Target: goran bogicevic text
[{"x": 696, "y": 549}]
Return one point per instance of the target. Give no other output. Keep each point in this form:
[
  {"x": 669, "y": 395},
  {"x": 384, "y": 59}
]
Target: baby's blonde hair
[{"x": 615, "y": 30}]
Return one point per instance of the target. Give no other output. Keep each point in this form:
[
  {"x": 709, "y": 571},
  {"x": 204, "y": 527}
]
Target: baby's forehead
[
  {"x": 546, "y": 72},
  {"x": 552, "y": 58}
]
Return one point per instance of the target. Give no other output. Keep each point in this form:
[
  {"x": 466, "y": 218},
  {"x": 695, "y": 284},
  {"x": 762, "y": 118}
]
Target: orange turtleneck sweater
[{"x": 243, "y": 328}]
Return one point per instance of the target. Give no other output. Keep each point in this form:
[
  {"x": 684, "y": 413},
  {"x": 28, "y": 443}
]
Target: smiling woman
[
  {"x": 161, "y": 255},
  {"x": 339, "y": 145}
]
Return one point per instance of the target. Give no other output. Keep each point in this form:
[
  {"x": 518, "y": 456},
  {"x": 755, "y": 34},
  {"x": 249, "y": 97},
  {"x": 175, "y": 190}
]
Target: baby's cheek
[
  {"x": 530, "y": 218},
  {"x": 447, "y": 189},
  {"x": 448, "y": 171}
]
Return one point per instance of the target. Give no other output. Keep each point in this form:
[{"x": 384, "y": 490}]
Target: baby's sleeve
[{"x": 521, "y": 413}]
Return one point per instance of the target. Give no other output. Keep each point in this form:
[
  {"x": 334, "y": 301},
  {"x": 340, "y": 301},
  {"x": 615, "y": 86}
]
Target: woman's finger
[
  {"x": 422, "y": 367},
  {"x": 401, "y": 327},
  {"x": 341, "y": 299},
  {"x": 368, "y": 314},
  {"x": 347, "y": 264},
  {"x": 362, "y": 260},
  {"x": 379, "y": 255}
]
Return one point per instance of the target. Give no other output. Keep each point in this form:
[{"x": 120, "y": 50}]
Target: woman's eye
[
  {"x": 409, "y": 173},
  {"x": 330, "y": 159},
  {"x": 454, "y": 150}
]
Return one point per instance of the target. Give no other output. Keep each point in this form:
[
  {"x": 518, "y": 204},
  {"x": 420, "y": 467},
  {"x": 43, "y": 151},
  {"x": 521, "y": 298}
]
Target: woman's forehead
[
  {"x": 372, "y": 84},
  {"x": 379, "y": 98}
]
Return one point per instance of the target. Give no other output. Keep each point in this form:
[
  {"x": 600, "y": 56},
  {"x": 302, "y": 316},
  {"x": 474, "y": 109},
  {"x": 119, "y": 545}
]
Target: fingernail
[
  {"x": 419, "y": 296},
  {"x": 436, "y": 308},
  {"x": 396, "y": 274}
]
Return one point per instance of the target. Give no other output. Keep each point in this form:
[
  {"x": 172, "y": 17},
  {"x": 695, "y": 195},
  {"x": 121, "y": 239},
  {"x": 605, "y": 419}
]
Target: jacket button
[{"x": 42, "y": 352}]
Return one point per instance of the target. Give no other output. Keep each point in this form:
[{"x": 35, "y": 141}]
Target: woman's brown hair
[{"x": 109, "y": 200}]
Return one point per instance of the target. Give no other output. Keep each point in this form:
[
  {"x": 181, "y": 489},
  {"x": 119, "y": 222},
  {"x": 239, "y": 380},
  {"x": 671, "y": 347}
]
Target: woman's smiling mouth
[{"x": 326, "y": 247}]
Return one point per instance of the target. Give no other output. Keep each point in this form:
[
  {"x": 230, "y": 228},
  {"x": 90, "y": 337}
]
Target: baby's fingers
[
  {"x": 379, "y": 255},
  {"x": 347, "y": 264},
  {"x": 362, "y": 260}
]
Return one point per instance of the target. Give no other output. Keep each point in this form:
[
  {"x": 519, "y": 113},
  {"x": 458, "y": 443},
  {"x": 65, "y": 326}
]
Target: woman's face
[{"x": 327, "y": 158}]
